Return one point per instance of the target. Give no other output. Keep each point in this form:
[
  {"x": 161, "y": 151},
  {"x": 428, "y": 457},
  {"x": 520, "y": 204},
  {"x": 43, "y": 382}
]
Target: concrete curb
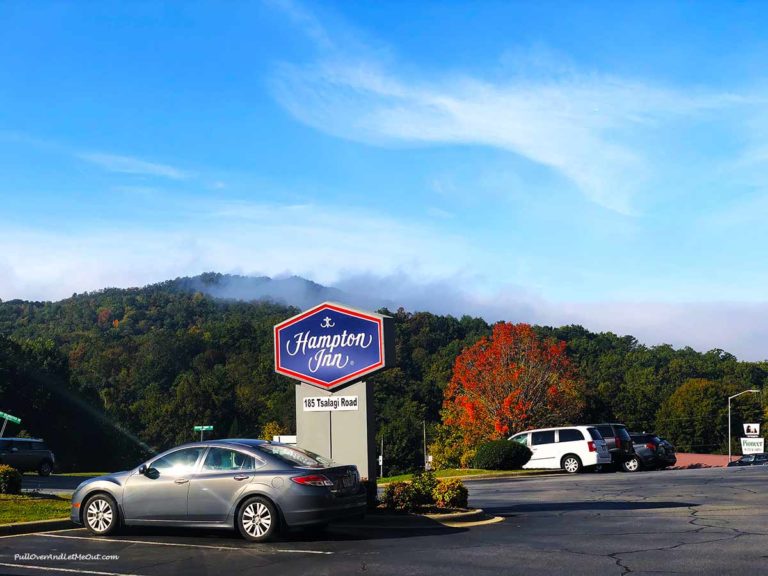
[
  {"x": 36, "y": 526},
  {"x": 474, "y": 517}
]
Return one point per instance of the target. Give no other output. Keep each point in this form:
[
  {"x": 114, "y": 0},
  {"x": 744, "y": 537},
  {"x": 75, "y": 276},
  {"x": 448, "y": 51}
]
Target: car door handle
[
  {"x": 181, "y": 480},
  {"x": 241, "y": 477}
]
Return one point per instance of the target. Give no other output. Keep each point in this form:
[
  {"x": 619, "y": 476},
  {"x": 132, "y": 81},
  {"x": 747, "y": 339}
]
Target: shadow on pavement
[
  {"x": 579, "y": 506},
  {"x": 368, "y": 529}
]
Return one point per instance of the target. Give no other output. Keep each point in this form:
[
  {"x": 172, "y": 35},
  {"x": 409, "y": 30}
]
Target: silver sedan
[{"x": 253, "y": 486}]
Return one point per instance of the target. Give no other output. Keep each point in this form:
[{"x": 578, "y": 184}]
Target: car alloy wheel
[
  {"x": 45, "y": 469},
  {"x": 100, "y": 515},
  {"x": 257, "y": 519},
  {"x": 572, "y": 464},
  {"x": 632, "y": 465}
]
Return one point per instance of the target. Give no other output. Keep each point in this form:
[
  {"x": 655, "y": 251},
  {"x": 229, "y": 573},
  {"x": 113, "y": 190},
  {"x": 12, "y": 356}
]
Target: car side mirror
[{"x": 143, "y": 469}]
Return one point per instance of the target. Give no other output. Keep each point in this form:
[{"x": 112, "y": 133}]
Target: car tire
[
  {"x": 257, "y": 519},
  {"x": 100, "y": 515},
  {"x": 571, "y": 464},
  {"x": 631, "y": 465},
  {"x": 45, "y": 468}
]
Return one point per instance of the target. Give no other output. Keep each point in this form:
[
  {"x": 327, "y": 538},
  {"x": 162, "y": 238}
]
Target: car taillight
[
  {"x": 591, "y": 446},
  {"x": 651, "y": 446},
  {"x": 618, "y": 441},
  {"x": 312, "y": 480}
]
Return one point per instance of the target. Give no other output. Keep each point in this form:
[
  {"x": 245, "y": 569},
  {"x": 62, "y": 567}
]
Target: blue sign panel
[{"x": 330, "y": 345}]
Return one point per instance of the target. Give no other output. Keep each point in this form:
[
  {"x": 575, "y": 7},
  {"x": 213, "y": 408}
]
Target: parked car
[
  {"x": 620, "y": 445},
  {"x": 27, "y": 455},
  {"x": 759, "y": 459},
  {"x": 571, "y": 448},
  {"x": 253, "y": 486},
  {"x": 654, "y": 452}
]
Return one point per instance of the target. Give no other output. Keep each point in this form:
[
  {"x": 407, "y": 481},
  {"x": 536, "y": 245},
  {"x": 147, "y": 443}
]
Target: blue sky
[{"x": 603, "y": 164}]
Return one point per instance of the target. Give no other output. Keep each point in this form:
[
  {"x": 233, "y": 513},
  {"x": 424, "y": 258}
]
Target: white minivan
[{"x": 571, "y": 448}]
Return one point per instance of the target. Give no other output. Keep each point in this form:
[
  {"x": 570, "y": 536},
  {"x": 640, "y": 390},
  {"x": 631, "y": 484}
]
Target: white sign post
[
  {"x": 752, "y": 430},
  {"x": 752, "y": 445}
]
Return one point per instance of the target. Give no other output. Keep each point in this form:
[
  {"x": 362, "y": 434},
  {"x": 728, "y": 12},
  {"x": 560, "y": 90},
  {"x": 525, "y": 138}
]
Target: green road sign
[
  {"x": 16, "y": 420},
  {"x": 203, "y": 428}
]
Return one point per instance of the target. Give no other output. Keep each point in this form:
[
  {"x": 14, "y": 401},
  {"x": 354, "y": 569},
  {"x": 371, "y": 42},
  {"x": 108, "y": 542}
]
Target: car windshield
[{"x": 296, "y": 456}]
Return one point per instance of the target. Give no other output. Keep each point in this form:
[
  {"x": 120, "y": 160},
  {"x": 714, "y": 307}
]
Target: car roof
[
  {"x": 554, "y": 428},
  {"x": 245, "y": 442},
  {"x": 25, "y": 439}
]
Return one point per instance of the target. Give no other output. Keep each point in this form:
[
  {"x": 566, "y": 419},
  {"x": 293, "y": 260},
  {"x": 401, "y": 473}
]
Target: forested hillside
[{"x": 109, "y": 375}]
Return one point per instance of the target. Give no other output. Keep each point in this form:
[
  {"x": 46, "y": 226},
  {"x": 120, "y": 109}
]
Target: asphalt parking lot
[{"x": 708, "y": 521}]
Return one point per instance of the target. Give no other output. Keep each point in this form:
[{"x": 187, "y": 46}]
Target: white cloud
[
  {"x": 591, "y": 129},
  {"x": 129, "y": 165}
]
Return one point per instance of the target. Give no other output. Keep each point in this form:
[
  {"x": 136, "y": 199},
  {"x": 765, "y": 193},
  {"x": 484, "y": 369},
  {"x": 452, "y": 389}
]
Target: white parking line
[
  {"x": 33, "y": 533},
  {"x": 75, "y": 570},
  {"x": 175, "y": 544}
]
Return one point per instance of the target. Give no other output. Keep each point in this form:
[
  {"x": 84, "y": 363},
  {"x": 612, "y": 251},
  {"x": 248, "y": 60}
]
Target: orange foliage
[{"x": 511, "y": 382}]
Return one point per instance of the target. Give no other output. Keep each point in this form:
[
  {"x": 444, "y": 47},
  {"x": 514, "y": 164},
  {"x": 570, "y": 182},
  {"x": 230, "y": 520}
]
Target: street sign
[
  {"x": 203, "y": 428},
  {"x": 10, "y": 418},
  {"x": 330, "y": 403},
  {"x": 331, "y": 345}
]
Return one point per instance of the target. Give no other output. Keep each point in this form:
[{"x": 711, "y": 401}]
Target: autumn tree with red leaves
[{"x": 510, "y": 382}]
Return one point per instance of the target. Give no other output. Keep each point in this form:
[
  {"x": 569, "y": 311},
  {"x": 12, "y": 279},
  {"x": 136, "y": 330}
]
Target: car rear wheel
[
  {"x": 100, "y": 515},
  {"x": 45, "y": 468},
  {"x": 257, "y": 520},
  {"x": 631, "y": 465},
  {"x": 571, "y": 463}
]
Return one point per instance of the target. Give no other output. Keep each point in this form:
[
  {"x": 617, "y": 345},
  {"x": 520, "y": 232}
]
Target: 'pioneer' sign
[{"x": 331, "y": 345}]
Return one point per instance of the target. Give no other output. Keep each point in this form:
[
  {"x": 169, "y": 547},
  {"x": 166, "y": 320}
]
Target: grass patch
[
  {"x": 73, "y": 474},
  {"x": 466, "y": 473},
  {"x": 26, "y": 508}
]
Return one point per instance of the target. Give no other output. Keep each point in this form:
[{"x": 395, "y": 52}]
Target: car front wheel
[
  {"x": 100, "y": 515},
  {"x": 571, "y": 464},
  {"x": 257, "y": 520},
  {"x": 631, "y": 465}
]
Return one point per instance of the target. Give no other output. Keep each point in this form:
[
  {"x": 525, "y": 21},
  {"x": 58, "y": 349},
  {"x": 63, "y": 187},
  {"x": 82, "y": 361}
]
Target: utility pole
[{"x": 729, "y": 416}]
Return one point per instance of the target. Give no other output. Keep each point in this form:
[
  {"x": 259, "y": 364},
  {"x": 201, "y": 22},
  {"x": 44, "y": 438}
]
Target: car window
[
  {"x": 570, "y": 435},
  {"x": 595, "y": 434},
  {"x": 222, "y": 459},
  {"x": 179, "y": 462},
  {"x": 5, "y": 445},
  {"x": 543, "y": 437},
  {"x": 295, "y": 456},
  {"x": 747, "y": 458},
  {"x": 605, "y": 431},
  {"x": 622, "y": 433},
  {"x": 520, "y": 439}
]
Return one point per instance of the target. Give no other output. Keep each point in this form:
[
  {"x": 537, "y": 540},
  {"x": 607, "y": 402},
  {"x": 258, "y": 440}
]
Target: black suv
[
  {"x": 620, "y": 445},
  {"x": 654, "y": 452},
  {"x": 27, "y": 455}
]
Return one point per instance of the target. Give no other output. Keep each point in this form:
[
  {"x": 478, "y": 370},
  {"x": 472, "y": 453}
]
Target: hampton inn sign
[{"x": 331, "y": 345}]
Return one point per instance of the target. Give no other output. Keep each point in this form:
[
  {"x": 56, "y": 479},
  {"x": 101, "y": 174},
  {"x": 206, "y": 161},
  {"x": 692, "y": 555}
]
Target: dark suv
[
  {"x": 27, "y": 455},
  {"x": 654, "y": 452},
  {"x": 620, "y": 445}
]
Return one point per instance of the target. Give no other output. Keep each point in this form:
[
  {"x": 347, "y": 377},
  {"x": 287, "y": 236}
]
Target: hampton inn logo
[{"x": 331, "y": 345}]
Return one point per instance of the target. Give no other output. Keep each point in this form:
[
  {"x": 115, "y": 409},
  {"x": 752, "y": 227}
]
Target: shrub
[
  {"x": 501, "y": 455},
  {"x": 424, "y": 483},
  {"x": 10, "y": 480},
  {"x": 400, "y": 496},
  {"x": 451, "y": 493}
]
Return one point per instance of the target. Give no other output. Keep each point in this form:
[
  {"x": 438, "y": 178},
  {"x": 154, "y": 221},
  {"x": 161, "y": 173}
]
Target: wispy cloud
[
  {"x": 598, "y": 131},
  {"x": 130, "y": 165},
  {"x": 592, "y": 130}
]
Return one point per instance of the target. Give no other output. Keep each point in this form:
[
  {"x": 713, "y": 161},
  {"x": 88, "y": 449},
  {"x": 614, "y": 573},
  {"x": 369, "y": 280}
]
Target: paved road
[
  {"x": 708, "y": 521},
  {"x": 53, "y": 483}
]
